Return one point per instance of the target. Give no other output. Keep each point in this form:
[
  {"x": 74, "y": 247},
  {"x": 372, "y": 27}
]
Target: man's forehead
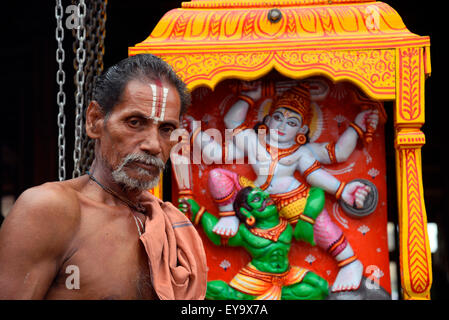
[
  {"x": 159, "y": 101},
  {"x": 156, "y": 95}
]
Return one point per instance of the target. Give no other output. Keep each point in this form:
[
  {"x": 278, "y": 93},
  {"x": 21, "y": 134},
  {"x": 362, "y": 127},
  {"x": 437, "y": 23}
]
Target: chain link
[
  {"x": 102, "y": 34},
  {"x": 88, "y": 48},
  {"x": 90, "y": 24},
  {"x": 61, "y": 97},
  {"x": 99, "y": 25},
  {"x": 79, "y": 81}
]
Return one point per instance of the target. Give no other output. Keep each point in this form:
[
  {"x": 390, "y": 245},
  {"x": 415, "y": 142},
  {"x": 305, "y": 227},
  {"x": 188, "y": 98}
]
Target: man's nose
[{"x": 151, "y": 141}]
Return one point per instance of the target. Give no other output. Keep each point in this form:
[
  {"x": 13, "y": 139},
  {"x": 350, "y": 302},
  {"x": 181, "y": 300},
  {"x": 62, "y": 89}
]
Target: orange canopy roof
[
  {"x": 207, "y": 41},
  {"x": 217, "y": 25}
]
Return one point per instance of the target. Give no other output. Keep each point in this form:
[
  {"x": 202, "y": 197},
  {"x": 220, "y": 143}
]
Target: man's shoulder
[
  {"x": 40, "y": 226},
  {"x": 52, "y": 200}
]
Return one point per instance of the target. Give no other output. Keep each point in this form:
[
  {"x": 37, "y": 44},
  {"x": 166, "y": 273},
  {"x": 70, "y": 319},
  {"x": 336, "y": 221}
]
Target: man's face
[{"x": 135, "y": 143}]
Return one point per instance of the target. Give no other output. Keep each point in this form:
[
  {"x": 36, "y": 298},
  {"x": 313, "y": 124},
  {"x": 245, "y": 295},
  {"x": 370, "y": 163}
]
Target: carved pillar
[{"x": 415, "y": 256}]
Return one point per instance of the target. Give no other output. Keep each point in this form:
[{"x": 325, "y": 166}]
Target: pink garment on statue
[
  {"x": 327, "y": 233},
  {"x": 223, "y": 183},
  {"x": 176, "y": 255}
]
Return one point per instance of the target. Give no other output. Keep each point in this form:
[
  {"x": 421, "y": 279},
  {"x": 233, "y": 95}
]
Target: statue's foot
[
  {"x": 227, "y": 226},
  {"x": 349, "y": 277}
]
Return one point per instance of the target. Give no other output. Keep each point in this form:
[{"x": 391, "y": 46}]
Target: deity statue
[
  {"x": 267, "y": 237},
  {"x": 282, "y": 150}
]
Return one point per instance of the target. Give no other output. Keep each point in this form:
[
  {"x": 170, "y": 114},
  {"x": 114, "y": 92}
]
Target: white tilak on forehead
[{"x": 159, "y": 101}]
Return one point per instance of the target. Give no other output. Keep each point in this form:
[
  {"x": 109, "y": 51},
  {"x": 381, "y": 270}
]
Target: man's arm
[{"x": 34, "y": 239}]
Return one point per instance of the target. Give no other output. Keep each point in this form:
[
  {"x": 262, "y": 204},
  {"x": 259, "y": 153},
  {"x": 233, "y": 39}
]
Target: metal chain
[
  {"x": 61, "y": 97},
  {"x": 100, "y": 50},
  {"x": 79, "y": 81},
  {"x": 91, "y": 25},
  {"x": 89, "y": 36},
  {"x": 99, "y": 21}
]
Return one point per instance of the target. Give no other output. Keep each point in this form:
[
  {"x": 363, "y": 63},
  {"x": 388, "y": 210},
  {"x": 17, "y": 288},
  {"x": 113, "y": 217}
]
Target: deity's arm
[
  {"x": 210, "y": 141},
  {"x": 341, "y": 150},
  {"x": 207, "y": 221},
  {"x": 246, "y": 144},
  {"x": 237, "y": 114},
  {"x": 209, "y": 145},
  {"x": 352, "y": 193},
  {"x": 235, "y": 147},
  {"x": 310, "y": 168},
  {"x": 335, "y": 152}
]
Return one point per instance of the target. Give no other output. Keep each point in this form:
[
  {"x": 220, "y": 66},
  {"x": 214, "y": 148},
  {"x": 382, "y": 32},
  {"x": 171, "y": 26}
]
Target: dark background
[{"x": 28, "y": 111}]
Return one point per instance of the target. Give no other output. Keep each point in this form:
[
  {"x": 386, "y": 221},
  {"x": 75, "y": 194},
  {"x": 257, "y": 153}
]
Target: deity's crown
[{"x": 296, "y": 99}]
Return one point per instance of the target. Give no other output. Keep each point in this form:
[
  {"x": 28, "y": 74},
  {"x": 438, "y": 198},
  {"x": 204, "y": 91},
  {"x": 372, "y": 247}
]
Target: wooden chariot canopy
[{"x": 360, "y": 41}]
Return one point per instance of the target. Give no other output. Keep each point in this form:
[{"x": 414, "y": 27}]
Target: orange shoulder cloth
[{"x": 176, "y": 256}]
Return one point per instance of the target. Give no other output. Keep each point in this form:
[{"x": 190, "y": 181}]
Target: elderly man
[{"x": 102, "y": 235}]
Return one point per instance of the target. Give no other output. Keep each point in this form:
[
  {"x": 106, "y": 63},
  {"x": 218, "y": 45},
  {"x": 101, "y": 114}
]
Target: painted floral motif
[
  {"x": 363, "y": 229},
  {"x": 310, "y": 258},
  {"x": 225, "y": 264},
  {"x": 373, "y": 172}
]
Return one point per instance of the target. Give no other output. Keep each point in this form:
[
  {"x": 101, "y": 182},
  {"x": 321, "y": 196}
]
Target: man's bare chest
[{"x": 107, "y": 261}]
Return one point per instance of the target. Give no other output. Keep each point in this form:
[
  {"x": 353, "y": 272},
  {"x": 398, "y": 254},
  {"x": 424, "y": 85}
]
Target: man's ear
[{"x": 94, "y": 120}]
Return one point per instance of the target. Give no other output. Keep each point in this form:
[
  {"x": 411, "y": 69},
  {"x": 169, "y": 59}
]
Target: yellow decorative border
[
  {"x": 371, "y": 70},
  {"x": 415, "y": 255}
]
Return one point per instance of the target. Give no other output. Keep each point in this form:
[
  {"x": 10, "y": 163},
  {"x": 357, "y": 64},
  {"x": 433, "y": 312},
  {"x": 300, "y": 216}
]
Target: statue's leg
[
  {"x": 312, "y": 287},
  {"x": 314, "y": 206},
  {"x": 220, "y": 290},
  {"x": 330, "y": 237},
  {"x": 223, "y": 186}
]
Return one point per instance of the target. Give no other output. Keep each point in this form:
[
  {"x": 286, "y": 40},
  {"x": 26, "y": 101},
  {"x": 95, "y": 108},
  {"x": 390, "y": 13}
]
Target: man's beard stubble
[{"x": 122, "y": 178}]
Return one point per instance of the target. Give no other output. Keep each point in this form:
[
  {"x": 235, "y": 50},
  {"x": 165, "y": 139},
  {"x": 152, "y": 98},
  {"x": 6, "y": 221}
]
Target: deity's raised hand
[
  {"x": 252, "y": 89},
  {"x": 367, "y": 119},
  {"x": 189, "y": 123},
  {"x": 355, "y": 193},
  {"x": 188, "y": 206}
]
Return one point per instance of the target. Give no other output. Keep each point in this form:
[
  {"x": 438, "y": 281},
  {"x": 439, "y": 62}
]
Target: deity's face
[
  {"x": 133, "y": 143},
  {"x": 286, "y": 125},
  {"x": 261, "y": 204}
]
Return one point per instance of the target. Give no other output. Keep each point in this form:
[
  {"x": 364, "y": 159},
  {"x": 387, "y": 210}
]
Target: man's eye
[
  {"x": 277, "y": 117},
  {"x": 292, "y": 123},
  {"x": 167, "y": 129},
  {"x": 134, "y": 123}
]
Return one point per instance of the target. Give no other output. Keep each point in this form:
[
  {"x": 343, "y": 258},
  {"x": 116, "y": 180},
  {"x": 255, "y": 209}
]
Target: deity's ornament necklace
[
  {"x": 136, "y": 207},
  {"x": 277, "y": 154},
  {"x": 273, "y": 233}
]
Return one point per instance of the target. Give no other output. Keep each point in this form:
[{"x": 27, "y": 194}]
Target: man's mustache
[{"x": 143, "y": 158}]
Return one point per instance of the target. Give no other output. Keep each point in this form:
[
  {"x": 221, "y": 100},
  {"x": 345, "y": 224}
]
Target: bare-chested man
[{"x": 80, "y": 238}]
